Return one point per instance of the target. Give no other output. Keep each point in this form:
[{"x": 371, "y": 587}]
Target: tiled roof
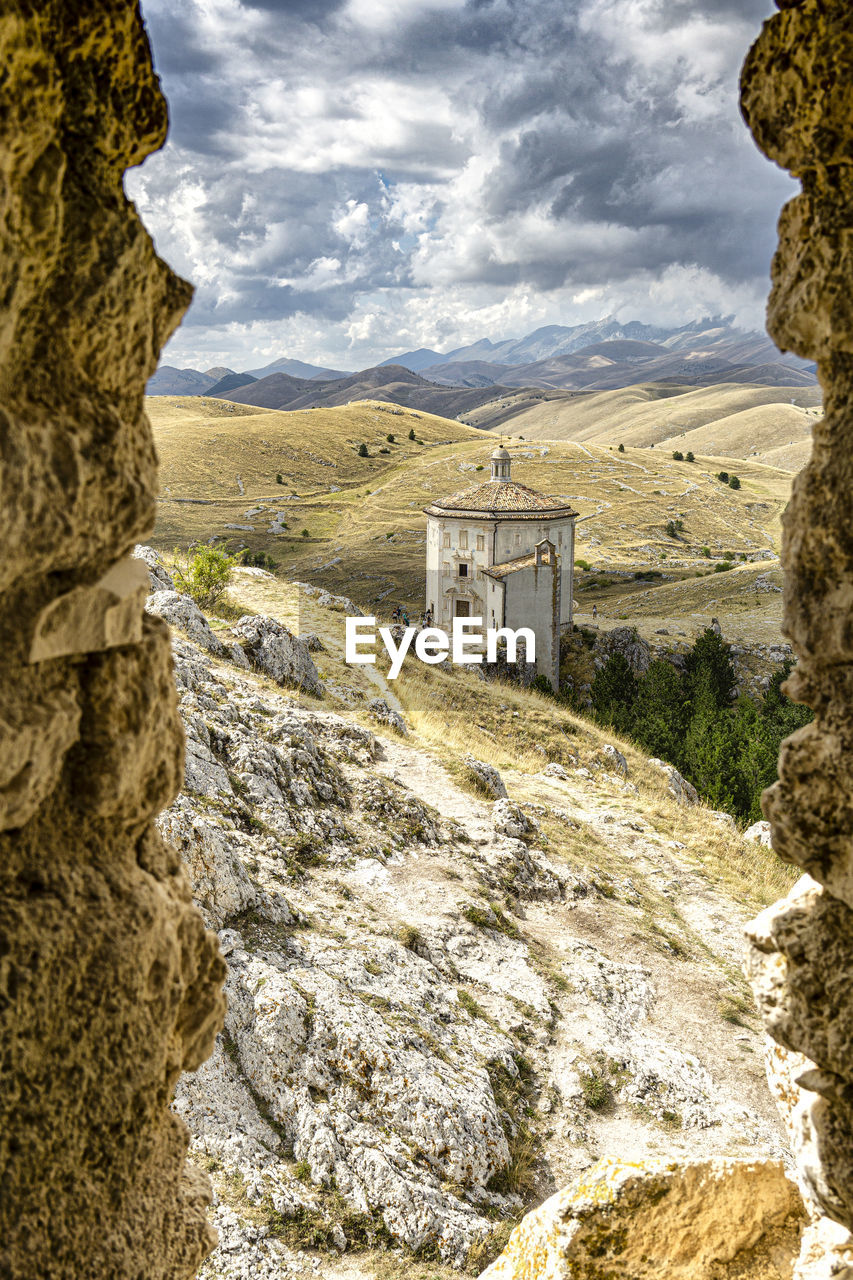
[
  {"x": 511, "y": 566},
  {"x": 499, "y": 497}
]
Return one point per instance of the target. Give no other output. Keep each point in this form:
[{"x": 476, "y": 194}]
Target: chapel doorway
[{"x": 462, "y": 609}]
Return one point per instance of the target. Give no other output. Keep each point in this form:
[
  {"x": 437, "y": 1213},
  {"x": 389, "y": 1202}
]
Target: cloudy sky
[{"x": 346, "y": 179}]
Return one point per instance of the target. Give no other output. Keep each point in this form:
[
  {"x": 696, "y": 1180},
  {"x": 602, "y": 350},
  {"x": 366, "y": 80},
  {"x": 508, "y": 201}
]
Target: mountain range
[{"x": 600, "y": 356}]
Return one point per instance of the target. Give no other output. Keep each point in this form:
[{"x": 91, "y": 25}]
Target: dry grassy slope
[
  {"x": 204, "y": 444},
  {"x": 368, "y": 542},
  {"x": 746, "y": 600},
  {"x": 647, "y": 415}
]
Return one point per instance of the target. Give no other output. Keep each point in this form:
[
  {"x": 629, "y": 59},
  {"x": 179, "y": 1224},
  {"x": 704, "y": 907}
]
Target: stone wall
[
  {"x": 797, "y": 94},
  {"x": 109, "y": 984}
]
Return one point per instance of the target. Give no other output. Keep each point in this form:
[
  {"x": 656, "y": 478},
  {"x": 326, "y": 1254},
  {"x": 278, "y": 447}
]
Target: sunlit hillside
[
  {"x": 355, "y": 524},
  {"x": 733, "y": 420}
]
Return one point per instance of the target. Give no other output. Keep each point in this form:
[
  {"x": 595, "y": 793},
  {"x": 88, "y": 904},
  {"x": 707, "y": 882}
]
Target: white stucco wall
[{"x": 502, "y": 540}]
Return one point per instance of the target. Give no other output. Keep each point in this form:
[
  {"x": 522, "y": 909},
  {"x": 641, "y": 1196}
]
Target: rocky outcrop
[
  {"x": 271, "y": 648},
  {"x": 706, "y": 1220},
  {"x": 182, "y": 612},
  {"x": 159, "y": 577},
  {"x": 677, "y": 786},
  {"x": 485, "y": 777},
  {"x": 109, "y": 984},
  {"x": 796, "y": 94}
]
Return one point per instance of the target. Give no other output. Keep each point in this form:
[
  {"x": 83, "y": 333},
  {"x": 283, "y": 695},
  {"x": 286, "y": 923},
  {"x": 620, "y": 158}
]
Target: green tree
[
  {"x": 710, "y": 656},
  {"x": 279, "y": 478},
  {"x": 362, "y": 451},
  {"x": 781, "y": 715},
  {"x": 677, "y": 456},
  {"x": 660, "y": 713},
  {"x": 411, "y": 433},
  {"x": 723, "y": 477},
  {"x": 621, "y": 448},
  {"x": 689, "y": 456},
  {"x": 613, "y": 693},
  {"x": 734, "y": 483},
  {"x": 206, "y": 575},
  {"x": 390, "y": 439}
]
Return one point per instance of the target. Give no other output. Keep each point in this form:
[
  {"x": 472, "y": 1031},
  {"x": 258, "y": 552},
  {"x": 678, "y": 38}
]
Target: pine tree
[
  {"x": 613, "y": 693},
  {"x": 660, "y": 713}
]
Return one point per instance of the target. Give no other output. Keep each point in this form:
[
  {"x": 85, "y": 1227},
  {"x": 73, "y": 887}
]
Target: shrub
[
  {"x": 206, "y": 576},
  {"x": 723, "y": 477},
  {"x": 306, "y": 533},
  {"x": 689, "y": 456},
  {"x": 259, "y": 559},
  {"x": 678, "y": 456},
  {"x": 409, "y": 936},
  {"x": 541, "y": 684},
  {"x": 583, "y": 564},
  {"x": 596, "y": 1091},
  {"x": 362, "y": 451},
  {"x": 621, "y": 448},
  {"x": 674, "y": 527},
  {"x": 279, "y": 478},
  {"x": 734, "y": 483},
  {"x": 390, "y": 438},
  {"x": 412, "y": 433},
  {"x": 384, "y": 450},
  {"x": 480, "y": 467},
  {"x": 723, "y": 566},
  {"x": 706, "y": 552}
]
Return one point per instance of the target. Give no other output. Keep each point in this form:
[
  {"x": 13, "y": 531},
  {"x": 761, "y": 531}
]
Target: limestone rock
[
  {"x": 111, "y": 984},
  {"x": 759, "y": 832},
  {"x": 221, "y": 886},
  {"x": 555, "y": 770},
  {"x": 626, "y": 642},
  {"x": 89, "y": 618},
  {"x": 160, "y": 578},
  {"x": 683, "y": 791},
  {"x": 380, "y": 711},
  {"x": 278, "y": 653},
  {"x": 707, "y": 1220},
  {"x": 796, "y": 96},
  {"x": 512, "y": 821},
  {"x": 486, "y": 777},
  {"x": 183, "y": 612}
]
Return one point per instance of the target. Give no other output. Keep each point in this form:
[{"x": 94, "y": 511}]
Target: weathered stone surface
[
  {"x": 682, "y": 790},
  {"x": 797, "y": 94},
  {"x": 614, "y": 760},
  {"x": 707, "y": 1220},
  {"x": 159, "y": 577},
  {"x": 278, "y": 653},
  {"x": 486, "y": 777},
  {"x": 91, "y": 618},
  {"x": 109, "y": 984},
  {"x": 380, "y": 711},
  {"x": 183, "y": 612}
]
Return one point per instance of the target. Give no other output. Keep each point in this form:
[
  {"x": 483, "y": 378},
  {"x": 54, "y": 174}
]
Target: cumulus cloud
[{"x": 346, "y": 178}]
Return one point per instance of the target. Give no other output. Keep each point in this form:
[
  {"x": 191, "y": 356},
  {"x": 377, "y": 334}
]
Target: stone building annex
[{"x": 502, "y": 552}]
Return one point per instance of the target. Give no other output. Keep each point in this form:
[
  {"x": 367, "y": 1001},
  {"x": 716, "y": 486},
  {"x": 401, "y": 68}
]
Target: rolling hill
[
  {"x": 734, "y": 420},
  {"x": 355, "y": 525}
]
